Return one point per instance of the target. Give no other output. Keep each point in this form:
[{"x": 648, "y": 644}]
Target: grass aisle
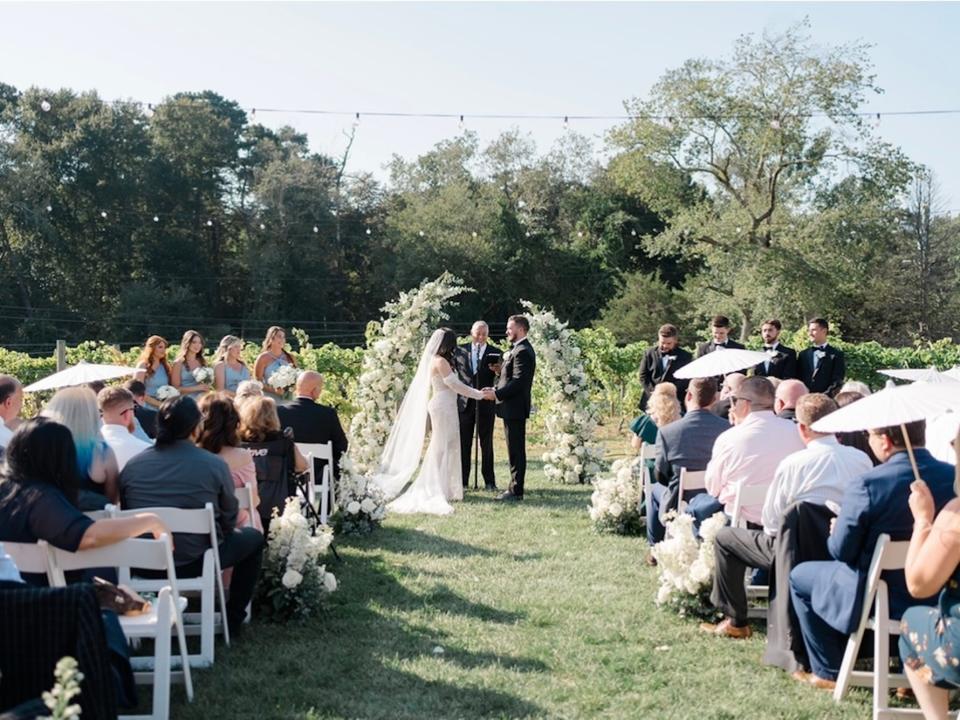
[{"x": 536, "y": 616}]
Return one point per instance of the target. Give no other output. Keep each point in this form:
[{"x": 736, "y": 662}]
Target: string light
[
  {"x": 262, "y": 226},
  {"x": 422, "y": 233},
  {"x": 103, "y": 214},
  {"x": 316, "y": 229},
  {"x": 209, "y": 223},
  {"x": 369, "y": 231},
  {"x": 49, "y": 208},
  {"x": 460, "y": 124},
  {"x": 633, "y": 233},
  {"x": 45, "y": 105},
  {"x": 356, "y": 120}
]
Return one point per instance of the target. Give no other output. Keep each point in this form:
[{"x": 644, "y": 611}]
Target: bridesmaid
[
  {"x": 272, "y": 358},
  {"x": 189, "y": 359},
  {"x": 229, "y": 370},
  {"x": 156, "y": 370}
]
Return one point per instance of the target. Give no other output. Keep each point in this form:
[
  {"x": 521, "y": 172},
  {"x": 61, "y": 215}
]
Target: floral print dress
[{"x": 930, "y": 637}]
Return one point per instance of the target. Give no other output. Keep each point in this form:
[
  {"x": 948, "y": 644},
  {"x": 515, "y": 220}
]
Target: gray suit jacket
[{"x": 688, "y": 443}]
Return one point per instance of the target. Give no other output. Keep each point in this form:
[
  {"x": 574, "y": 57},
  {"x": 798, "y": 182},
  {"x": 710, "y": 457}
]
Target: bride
[{"x": 434, "y": 389}]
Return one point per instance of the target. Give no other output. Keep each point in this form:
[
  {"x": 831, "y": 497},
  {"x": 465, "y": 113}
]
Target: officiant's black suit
[
  {"x": 480, "y": 411},
  {"x": 513, "y": 405},
  {"x": 783, "y": 365},
  {"x": 825, "y": 377},
  {"x": 652, "y": 372}
]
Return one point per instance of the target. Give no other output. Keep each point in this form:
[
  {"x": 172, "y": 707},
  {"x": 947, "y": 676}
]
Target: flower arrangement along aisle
[
  {"x": 294, "y": 583},
  {"x": 393, "y": 348},
  {"x": 361, "y": 503},
  {"x": 66, "y": 687},
  {"x": 615, "y": 503},
  {"x": 570, "y": 416},
  {"x": 685, "y": 566}
]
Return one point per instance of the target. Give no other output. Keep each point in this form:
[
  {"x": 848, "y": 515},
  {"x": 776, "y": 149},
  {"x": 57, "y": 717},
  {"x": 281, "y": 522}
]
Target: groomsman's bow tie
[
  {"x": 769, "y": 347},
  {"x": 723, "y": 345},
  {"x": 821, "y": 347}
]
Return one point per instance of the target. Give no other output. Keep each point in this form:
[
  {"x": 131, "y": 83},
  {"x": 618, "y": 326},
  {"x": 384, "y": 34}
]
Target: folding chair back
[
  {"x": 324, "y": 452},
  {"x": 690, "y": 480},
  {"x": 746, "y": 495},
  {"x": 245, "y": 502},
  {"x": 648, "y": 451}
]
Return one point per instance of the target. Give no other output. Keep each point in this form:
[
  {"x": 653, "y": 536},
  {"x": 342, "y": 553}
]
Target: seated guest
[
  {"x": 116, "y": 410},
  {"x": 855, "y": 438},
  {"x": 76, "y": 407},
  {"x": 827, "y": 595},
  {"x": 274, "y": 453},
  {"x": 782, "y": 361},
  {"x": 731, "y": 383},
  {"x": 247, "y": 390},
  {"x": 189, "y": 358},
  {"x": 39, "y": 485},
  {"x": 821, "y": 367},
  {"x": 11, "y": 401},
  {"x": 661, "y": 361},
  {"x": 156, "y": 370},
  {"x": 229, "y": 370},
  {"x": 857, "y": 387},
  {"x": 817, "y": 474},
  {"x": 929, "y": 636},
  {"x": 273, "y": 357},
  {"x": 219, "y": 436},
  {"x": 747, "y": 453},
  {"x": 687, "y": 443},
  {"x": 786, "y": 396},
  {"x": 145, "y": 416},
  {"x": 312, "y": 422},
  {"x": 176, "y": 473},
  {"x": 663, "y": 408}
]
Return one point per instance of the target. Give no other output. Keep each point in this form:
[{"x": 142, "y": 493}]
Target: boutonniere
[
  {"x": 669, "y": 358},
  {"x": 820, "y": 353},
  {"x": 772, "y": 354},
  {"x": 507, "y": 355}
]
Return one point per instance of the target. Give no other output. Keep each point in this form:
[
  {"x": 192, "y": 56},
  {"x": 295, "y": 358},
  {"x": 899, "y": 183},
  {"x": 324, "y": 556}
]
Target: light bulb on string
[
  {"x": 45, "y": 105},
  {"x": 209, "y": 223},
  {"x": 316, "y": 229},
  {"x": 156, "y": 219},
  {"x": 369, "y": 231},
  {"x": 103, "y": 214},
  {"x": 474, "y": 233},
  {"x": 876, "y": 122},
  {"x": 460, "y": 124},
  {"x": 356, "y": 120},
  {"x": 49, "y": 208},
  {"x": 262, "y": 226},
  {"x": 421, "y": 233},
  {"x": 566, "y": 122},
  {"x": 579, "y": 233},
  {"x": 633, "y": 233}
]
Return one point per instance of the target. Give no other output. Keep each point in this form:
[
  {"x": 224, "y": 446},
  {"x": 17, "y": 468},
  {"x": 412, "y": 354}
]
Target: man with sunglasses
[{"x": 117, "y": 410}]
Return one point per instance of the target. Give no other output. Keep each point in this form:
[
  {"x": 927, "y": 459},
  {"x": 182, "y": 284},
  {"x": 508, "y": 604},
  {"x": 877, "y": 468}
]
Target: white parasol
[
  {"x": 721, "y": 362},
  {"x": 80, "y": 374},
  {"x": 928, "y": 375}
]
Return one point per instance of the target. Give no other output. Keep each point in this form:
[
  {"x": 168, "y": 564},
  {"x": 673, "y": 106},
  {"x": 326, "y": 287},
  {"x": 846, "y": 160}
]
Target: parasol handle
[{"x": 913, "y": 459}]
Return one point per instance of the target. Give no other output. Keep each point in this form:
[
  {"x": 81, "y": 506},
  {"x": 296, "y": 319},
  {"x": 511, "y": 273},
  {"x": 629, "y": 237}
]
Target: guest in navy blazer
[{"x": 828, "y": 595}]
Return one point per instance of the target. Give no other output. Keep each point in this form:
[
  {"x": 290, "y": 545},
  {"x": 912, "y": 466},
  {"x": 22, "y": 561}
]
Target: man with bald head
[
  {"x": 731, "y": 383},
  {"x": 788, "y": 393},
  {"x": 472, "y": 362},
  {"x": 312, "y": 422}
]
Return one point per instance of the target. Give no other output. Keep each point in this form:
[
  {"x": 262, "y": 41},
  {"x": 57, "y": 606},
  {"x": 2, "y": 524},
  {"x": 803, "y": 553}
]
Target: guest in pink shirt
[{"x": 748, "y": 452}]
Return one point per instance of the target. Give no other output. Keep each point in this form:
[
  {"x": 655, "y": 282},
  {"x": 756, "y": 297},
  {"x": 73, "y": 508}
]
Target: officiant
[{"x": 473, "y": 360}]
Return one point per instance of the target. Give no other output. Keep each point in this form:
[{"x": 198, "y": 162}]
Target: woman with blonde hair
[
  {"x": 229, "y": 369},
  {"x": 76, "y": 408},
  {"x": 273, "y": 357},
  {"x": 663, "y": 408},
  {"x": 247, "y": 390},
  {"x": 156, "y": 369},
  {"x": 189, "y": 358}
]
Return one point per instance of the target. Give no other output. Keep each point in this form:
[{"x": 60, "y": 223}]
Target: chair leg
[
  {"x": 161, "y": 658},
  {"x": 846, "y": 667},
  {"x": 207, "y": 619},
  {"x": 881, "y": 651}
]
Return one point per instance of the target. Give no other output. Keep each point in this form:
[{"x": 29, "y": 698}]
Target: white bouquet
[
  {"x": 615, "y": 503},
  {"x": 165, "y": 392},
  {"x": 362, "y": 503},
  {"x": 283, "y": 377},
  {"x": 684, "y": 566},
  {"x": 203, "y": 375},
  {"x": 294, "y": 581}
]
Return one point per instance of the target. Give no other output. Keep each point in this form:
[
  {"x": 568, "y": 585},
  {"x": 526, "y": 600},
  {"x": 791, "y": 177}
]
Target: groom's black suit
[
  {"x": 479, "y": 411},
  {"x": 513, "y": 405}
]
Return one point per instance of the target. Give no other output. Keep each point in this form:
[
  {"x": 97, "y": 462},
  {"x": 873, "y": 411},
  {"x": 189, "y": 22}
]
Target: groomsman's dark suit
[
  {"x": 314, "y": 423},
  {"x": 711, "y": 346},
  {"x": 513, "y": 405},
  {"x": 822, "y": 373},
  {"x": 653, "y": 371},
  {"x": 479, "y": 411},
  {"x": 783, "y": 365},
  {"x": 148, "y": 419}
]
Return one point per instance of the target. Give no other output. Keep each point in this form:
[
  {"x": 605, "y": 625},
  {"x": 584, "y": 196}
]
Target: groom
[{"x": 513, "y": 400}]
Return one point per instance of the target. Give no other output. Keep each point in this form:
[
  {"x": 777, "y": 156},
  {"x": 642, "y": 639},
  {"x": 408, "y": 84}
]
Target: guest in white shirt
[
  {"x": 817, "y": 474},
  {"x": 747, "y": 453},
  {"x": 11, "y": 401},
  {"x": 117, "y": 410}
]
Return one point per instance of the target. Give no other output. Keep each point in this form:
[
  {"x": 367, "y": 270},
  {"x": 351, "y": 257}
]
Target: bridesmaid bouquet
[
  {"x": 165, "y": 392},
  {"x": 283, "y": 377},
  {"x": 203, "y": 375}
]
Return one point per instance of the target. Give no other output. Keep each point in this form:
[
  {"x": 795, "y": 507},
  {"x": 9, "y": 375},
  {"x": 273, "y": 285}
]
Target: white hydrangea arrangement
[
  {"x": 203, "y": 375},
  {"x": 393, "y": 350},
  {"x": 165, "y": 392},
  {"x": 684, "y": 565},
  {"x": 362, "y": 504},
  {"x": 294, "y": 582},
  {"x": 283, "y": 377},
  {"x": 570, "y": 416},
  {"x": 615, "y": 503},
  {"x": 65, "y": 688}
]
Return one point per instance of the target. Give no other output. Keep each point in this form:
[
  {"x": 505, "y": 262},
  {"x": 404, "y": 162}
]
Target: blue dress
[
  {"x": 275, "y": 365},
  {"x": 186, "y": 376},
  {"x": 156, "y": 381},
  {"x": 930, "y": 637},
  {"x": 232, "y": 378}
]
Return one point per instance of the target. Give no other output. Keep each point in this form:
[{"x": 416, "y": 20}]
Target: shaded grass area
[{"x": 498, "y": 612}]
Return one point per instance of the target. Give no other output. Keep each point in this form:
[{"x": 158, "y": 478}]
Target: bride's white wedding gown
[{"x": 441, "y": 476}]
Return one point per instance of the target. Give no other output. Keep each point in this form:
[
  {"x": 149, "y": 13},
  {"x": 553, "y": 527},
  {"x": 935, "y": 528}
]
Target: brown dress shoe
[
  {"x": 726, "y": 628},
  {"x": 801, "y": 676},
  {"x": 651, "y": 561},
  {"x": 822, "y": 683}
]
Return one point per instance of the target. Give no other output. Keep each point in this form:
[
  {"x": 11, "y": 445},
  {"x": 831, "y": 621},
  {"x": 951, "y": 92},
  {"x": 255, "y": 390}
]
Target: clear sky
[{"x": 543, "y": 57}]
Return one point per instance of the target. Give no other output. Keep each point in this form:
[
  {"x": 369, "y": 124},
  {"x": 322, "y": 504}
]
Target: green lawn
[{"x": 500, "y": 612}]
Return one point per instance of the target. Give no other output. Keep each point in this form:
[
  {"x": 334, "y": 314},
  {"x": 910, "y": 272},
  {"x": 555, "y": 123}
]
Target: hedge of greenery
[{"x": 613, "y": 368}]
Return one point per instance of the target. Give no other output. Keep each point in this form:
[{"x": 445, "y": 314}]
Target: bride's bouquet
[
  {"x": 283, "y": 377},
  {"x": 362, "y": 504},
  {"x": 203, "y": 375},
  {"x": 615, "y": 503},
  {"x": 684, "y": 566},
  {"x": 294, "y": 582},
  {"x": 165, "y": 392}
]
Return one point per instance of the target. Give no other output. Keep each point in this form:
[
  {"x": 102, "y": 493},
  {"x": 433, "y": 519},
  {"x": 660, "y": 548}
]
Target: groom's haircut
[
  {"x": 667, "y": 331},
  {"x": 522, "y": 321}
]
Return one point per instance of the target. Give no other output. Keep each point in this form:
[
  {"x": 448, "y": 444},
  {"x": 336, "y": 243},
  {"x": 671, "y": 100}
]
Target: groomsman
[
  {"x": 661, "y": 361},
  {"x": 783, "y": 360},
  {"x": 720, "y": 329},
  {"x": 821, "y": 367},
  {"x": 473, "y": 366}
]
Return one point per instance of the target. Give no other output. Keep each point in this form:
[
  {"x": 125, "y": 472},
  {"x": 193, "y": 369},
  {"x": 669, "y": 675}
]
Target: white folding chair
[
  {"x": 156, "y": 624},
  {"x": 245, "y": 502},
  {"x": 209, "y": 584},
  {"x": 750, "y": 495},
  {"x": 320, "y": 451},
  {"x": 31, "y": 558},
  {"x": 647, "y": 452},
  {"x": 690, "y": 480}
]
